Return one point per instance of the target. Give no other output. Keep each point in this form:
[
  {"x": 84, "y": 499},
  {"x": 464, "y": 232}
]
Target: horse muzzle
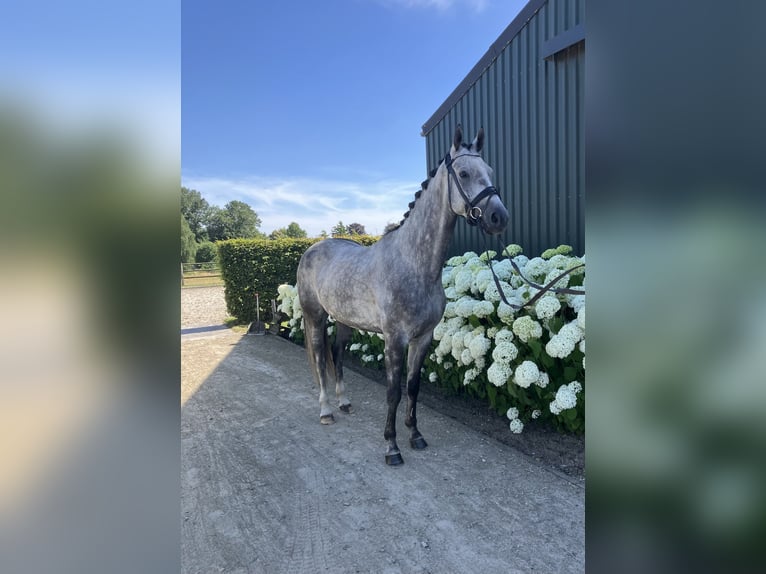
[{"x": 494, "y": 217}]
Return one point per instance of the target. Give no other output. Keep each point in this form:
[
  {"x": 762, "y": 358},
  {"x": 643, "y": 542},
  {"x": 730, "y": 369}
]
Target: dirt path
[{"x": 266, "y": 488}]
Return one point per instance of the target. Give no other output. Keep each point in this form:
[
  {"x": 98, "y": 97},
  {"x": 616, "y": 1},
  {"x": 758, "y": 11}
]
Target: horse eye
[{"x": 463, "y": 173}]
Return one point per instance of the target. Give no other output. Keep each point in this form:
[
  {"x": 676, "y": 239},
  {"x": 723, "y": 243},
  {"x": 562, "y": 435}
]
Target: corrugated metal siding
[{"x": 532, "y": 112}]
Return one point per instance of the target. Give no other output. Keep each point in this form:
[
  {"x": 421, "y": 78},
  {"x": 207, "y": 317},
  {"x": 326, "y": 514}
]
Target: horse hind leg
[
  {"x": 418, "y": 349},
  {"x": 342, "y": 337},
  {"x": 317, "y": 347}
]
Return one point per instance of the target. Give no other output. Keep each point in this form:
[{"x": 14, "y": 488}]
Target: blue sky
[{"x": 311, "y": 111}]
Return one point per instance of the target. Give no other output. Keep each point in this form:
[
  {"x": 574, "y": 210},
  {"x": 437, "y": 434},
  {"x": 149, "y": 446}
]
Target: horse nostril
[{"x": 494, "y": 218}]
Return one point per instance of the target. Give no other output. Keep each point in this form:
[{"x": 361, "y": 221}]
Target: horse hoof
[
  {"x": 394, "y": 459},
  {"x": 327, "y": 419},
  {"x": 418, "y": 443},
  {"x": 347, "y": 409}
]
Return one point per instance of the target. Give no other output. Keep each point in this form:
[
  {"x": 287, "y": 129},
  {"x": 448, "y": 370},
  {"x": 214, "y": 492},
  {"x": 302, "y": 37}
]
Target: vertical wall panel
[{"x": 532, "y": 112}]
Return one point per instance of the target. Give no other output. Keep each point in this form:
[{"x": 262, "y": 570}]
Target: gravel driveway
[
  {"x": 266, "y": 488},
  {"x": 202, "y": 306}
]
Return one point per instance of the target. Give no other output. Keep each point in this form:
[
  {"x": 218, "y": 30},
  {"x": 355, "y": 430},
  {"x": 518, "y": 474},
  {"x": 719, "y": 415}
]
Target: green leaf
[{"x": 492, "y": 394}]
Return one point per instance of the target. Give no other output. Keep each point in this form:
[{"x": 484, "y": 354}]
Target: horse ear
[
  {"x": 478, "y": 142},
  {"x": 458, "y": 139}
]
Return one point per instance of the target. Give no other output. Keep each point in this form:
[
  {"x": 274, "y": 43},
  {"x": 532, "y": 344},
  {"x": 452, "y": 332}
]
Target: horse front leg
[
  {"x": 394, "y": 358},
  {"x": 418, "y": 350}
]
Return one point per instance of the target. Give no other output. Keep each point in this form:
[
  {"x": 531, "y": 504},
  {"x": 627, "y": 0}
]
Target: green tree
[
  {"x": 293, "y": 231},
  {"x": 296, "y": 231},
  {"x": 188, "y": 245},
  {"x": 356, "y": 229},
  {"x": 339, "y": 229},
  {"x": 206, "y": 252},
  {"x": 236, "y": 220},
  {"x": 197, "y": 212}
]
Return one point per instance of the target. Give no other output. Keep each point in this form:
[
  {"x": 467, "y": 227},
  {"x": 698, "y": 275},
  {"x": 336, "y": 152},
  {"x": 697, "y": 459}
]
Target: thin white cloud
[
  {"x": 443, "y": 5},
  {"x": 315, "y": 204}
]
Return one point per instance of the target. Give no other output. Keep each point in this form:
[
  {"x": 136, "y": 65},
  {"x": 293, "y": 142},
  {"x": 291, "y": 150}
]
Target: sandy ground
[{"x": 266, "y": 488}]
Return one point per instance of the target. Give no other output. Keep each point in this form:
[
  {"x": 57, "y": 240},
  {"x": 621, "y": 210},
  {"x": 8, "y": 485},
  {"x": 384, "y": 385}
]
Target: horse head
[{"x": 477, "y": 200}]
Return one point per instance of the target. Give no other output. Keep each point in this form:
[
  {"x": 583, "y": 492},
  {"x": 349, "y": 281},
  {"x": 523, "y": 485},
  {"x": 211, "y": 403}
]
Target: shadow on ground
[{"x": 266, "y": 488}]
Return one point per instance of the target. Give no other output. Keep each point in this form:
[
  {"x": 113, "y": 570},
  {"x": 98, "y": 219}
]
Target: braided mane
[{"x": 423, "y": 186}]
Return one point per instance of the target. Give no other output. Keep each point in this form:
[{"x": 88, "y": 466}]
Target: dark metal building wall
[{"x": 530, "y": 100}]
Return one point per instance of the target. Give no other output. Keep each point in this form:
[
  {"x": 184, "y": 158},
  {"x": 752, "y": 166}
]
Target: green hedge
[{"x": 250, "y": 266}]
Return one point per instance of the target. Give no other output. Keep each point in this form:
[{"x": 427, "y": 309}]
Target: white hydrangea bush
[
  {"x": 529, "y": 354},
  {"x": 529, "y": 363}
]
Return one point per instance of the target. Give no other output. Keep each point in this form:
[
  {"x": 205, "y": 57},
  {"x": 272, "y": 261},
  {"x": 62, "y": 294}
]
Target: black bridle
[{"x": 474, "y": 214}]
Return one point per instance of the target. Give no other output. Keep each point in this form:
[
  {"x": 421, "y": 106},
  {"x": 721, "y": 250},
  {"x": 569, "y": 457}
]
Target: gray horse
[{"x": 394, "y": 287}]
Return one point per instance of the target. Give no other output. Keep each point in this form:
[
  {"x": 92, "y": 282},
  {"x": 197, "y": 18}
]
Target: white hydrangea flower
[
  {"x": 365, "y": 348},
  {"x": 448, "y": 365},
  {"x": 479, "y": 346},
  {"x": 440, "y": 330},
  {"x": 542, "y": 380},
  {"x": 571, "y": 332},
  {"x": 474, "y": 263},
  {"x": 449, "y": 310},
  {"x": 463, "y": 281},
  {"x": 483, "y": 309},
  {"x": 505, "y": 313},
  {"x": 575, "y": 386},
  {"x": 582, "y": 347},
  {"x": 503, "y": 336},
  {"x": 576, "y": 302},
  {"x": 516, "y": 426},
  {"x": 481, "y": 281},
  {"x": 536, "y": 414},
  {"x": 492, "y": 295},
  {"x": 581, "y": 318},
  {"x": 559, "y": 347},
  {"x": 487, "y": 255},
  {"x": 465, "y": 357},
  {"x": 447, "y": 276},
  {"x": 535, "y": 269},
  {"x": 380, "y": 357},
  {"x": 527, "y": 328},
  {"x": 355, "y": 347},
  {"x": 526, "y": 374},
  {"x": 455, "y": 261},
  {"x": 433, "y": 377},
  {"x": 491, "y": 332},
  {"x": 504, "y": 352},
  {"x": 547, "y": 307},
  {"x": 450, "y": 293},
  {"x": 464, "y": 307},
  {"x": 512, "y": 413},
  {"x": 503, "y": 270},
  {"x": 552, "y": 274},
  {"x": 499, "y": 373},
  {"x": 566, "y": 398},
  {"x": 470, "y": 375},
  {"x": 512, "y": 250}
]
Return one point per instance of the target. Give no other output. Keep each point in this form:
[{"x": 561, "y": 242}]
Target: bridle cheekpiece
[{"x": 473, "y": 212}]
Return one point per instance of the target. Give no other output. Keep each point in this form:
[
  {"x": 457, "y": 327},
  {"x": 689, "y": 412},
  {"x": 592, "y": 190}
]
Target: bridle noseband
[{"x": 473, "y": 212}]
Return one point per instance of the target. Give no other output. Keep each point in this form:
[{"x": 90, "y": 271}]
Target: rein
[
  {"x": 473, "y": 215},
  {"x": 542, "y": 289}
]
